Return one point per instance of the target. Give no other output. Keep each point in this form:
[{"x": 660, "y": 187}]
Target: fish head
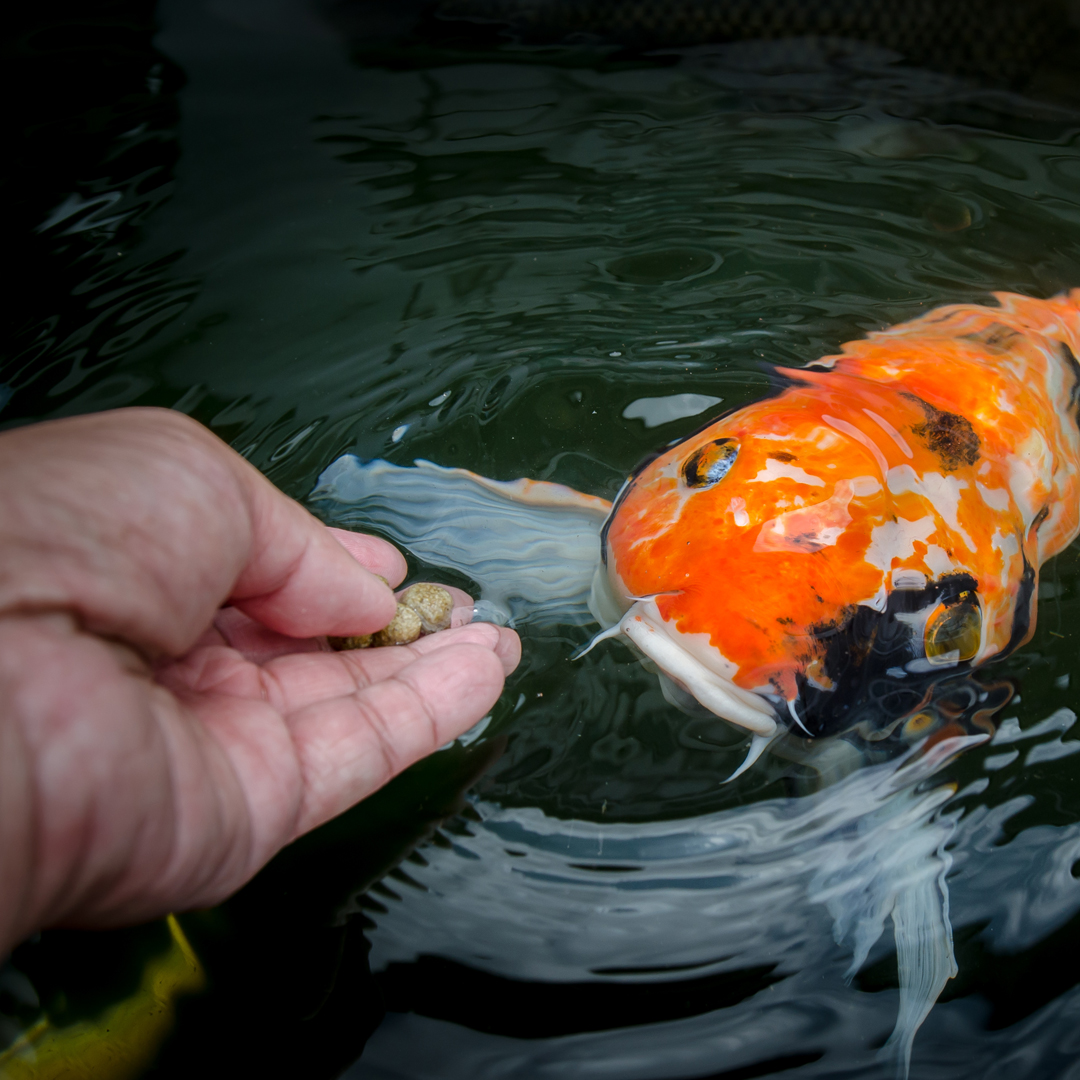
[{"x": 743, "y": 562}]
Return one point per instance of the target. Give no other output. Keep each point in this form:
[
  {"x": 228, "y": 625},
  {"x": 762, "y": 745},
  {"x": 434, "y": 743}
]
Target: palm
[{"x": 307, "y": 734}]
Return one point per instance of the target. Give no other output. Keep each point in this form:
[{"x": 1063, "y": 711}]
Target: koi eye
[
  {"x": 918, "y": 725},
  {"x": 709, "y": 464},
  {"x": 954, "y": 630}
]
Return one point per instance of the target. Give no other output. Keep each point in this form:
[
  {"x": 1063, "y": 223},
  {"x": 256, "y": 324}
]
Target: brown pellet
[
  {"x": 403, "y": 629},
  {"x": 432, "y": 603},
  {"x": 357, "y": 641}
]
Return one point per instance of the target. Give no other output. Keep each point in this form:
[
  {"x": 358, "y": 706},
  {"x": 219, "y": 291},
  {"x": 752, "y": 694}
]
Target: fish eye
[
  {"x": 954, "y": 628},
  {"x": 918, "y": 725},
  {"x": 709, "y": 464}
]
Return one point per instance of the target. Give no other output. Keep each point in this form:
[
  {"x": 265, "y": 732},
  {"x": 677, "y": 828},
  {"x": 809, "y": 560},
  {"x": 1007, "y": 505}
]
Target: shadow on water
[{"x": 475, "y": 234}]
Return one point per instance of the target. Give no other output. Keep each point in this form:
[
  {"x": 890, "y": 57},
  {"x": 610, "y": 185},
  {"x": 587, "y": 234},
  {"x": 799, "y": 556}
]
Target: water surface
[{"x": 537, "y": 262}]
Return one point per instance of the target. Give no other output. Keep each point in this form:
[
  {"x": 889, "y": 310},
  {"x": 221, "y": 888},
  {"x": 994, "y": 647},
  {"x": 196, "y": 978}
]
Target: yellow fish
[{"x": 122, "y": 1042}]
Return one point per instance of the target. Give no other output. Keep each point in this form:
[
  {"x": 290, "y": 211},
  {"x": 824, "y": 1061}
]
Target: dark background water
[{"x": 476, "y": 234}]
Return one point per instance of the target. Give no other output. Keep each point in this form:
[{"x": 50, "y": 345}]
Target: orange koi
[
  {"x": 881, "y": 520},
  {"x": 814, "y": 562},
  {"x": 834, "y": 559}
]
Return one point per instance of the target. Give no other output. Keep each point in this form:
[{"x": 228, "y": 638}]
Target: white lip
[{"x": 645, "y": 627}]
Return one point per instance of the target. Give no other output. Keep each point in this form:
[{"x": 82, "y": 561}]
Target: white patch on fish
[
  {"x": 861, "y": 437},
  {"x": 937, "y": 560},
  {"x": 896, "y": 540},
  {"x": 779, "y": 470},
  {"x": 1030, "y": 475},
  {"x": 908, "y": 579},
  {"x": 942, "y": 492},
  {"x": 1009, "y": 546},
  {"x": 995, "y": 498},
  {"x": 810, "y": 528},
  {"x": 889, "y": 430},
  {"x": 737, "y": 507}
]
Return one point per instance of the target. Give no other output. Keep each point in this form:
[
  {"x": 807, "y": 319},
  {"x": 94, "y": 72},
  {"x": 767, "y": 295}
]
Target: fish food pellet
[
  {"x": 422, "y": 609},
  {"x": 404, "y": 628},
  {"x": 432, "y": 603},
  {"x": 357, "y": 641}
]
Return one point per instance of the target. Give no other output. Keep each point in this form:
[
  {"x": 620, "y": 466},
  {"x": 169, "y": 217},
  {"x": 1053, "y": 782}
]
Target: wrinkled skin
[{"x": 171, "y": 716}]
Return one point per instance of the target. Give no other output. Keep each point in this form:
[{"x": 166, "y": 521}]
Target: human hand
[{"x": 156, "y": 748}]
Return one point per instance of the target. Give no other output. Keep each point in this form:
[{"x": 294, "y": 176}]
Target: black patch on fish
[
  {"x": 1025, "y": 593},
  {"x": 948, "y": 435},
  {"x": 995, "y": 336},
  {"x": 709, "y": 464},
  {"x": 780, "y": 455},
  {"x": 1074, "y": 366},
  {"x": 861, "y": 647}
]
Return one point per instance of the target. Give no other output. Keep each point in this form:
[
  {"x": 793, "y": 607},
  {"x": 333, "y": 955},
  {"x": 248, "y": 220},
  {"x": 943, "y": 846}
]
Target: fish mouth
[{"x": 646, "y": 628}]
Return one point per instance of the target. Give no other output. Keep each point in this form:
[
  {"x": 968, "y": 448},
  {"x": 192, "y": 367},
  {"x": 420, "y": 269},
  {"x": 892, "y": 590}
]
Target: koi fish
[
  {"x": 884, "y": 518},
  {"x": 835, "y": 559},
  {"x": 120, "y": 1043},
  {"x": 812, "y": 562}
]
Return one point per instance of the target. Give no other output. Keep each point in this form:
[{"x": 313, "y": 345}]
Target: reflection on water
[
  {"x": 531, "y": 263},
  {"x": 872, "y": 838},
  {"x": 761, "y": 911}
]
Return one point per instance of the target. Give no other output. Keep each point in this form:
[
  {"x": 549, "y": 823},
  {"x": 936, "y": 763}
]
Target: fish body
[
  {"x": 815, "y": 562},
  {"x": 121, "y": 1042},
  {"x": 815, "y": 558},
  {"x": 836, "y": 557}
]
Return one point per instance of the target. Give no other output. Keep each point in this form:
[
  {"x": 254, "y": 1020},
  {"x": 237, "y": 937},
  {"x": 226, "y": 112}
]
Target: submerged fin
[
  {"x": 531, "y": 546},
  {"x": 896, "y": 868},
  {"x": 924, "y": 957},
  {"x": 758, "y": 745},
  {"x": 603, "y": 635}
]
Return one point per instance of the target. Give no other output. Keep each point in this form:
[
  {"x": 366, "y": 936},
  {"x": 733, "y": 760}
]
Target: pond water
[{"x": 549, "y": 261}]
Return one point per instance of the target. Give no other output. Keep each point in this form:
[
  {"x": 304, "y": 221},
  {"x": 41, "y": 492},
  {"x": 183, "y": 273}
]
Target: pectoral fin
[{"x": 531, "y": 546}]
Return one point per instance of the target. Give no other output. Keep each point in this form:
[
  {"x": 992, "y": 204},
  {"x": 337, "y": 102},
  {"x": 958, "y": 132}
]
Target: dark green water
[{"x": 483, "y": 260}]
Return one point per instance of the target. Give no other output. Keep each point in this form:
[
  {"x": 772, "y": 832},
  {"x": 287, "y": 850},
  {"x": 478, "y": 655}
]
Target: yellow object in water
[{"x": 122, "y": 1041}]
